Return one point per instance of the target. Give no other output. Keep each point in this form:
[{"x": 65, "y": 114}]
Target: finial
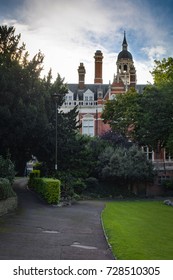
[{"x": 124, "y": 45}]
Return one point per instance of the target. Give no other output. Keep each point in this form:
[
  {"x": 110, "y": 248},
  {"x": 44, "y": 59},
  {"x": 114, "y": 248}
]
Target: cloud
[
  {"x": 155, "y": 52},
  {"x": 69, "y": 32}
]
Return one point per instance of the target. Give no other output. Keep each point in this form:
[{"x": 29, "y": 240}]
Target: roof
[
  {"x": 125, "y": 54},
  {"x": 78, "y": 93}
]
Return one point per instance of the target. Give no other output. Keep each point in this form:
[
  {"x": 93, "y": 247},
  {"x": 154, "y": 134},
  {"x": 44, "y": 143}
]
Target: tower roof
[{"x": 125, "y": 54}]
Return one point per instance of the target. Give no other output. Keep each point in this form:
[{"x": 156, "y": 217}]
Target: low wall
[{"x": 8, "y": 205}]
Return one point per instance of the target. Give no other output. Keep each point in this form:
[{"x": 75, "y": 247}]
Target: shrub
[
  {"x": 32, "y": 175},
  {"x": 92, "y": 185},
  {"x": 168, "y": 184},
  {"x": 79, "y": 186},
  {"x": 49, "y": 189},
  {"x": 7, "y": 169},
  {"x": 6, "y": 190},
  {"x": 41, "y": 166}
]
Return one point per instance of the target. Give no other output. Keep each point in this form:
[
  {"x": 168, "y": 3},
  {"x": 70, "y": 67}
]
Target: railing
[
  {"x": 80, "y": 103},
  {"x": 163, "y": 165}
]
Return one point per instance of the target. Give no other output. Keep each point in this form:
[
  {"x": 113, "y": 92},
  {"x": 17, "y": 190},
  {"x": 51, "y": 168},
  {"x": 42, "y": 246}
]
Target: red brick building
[{"x": 91, "y": 98}]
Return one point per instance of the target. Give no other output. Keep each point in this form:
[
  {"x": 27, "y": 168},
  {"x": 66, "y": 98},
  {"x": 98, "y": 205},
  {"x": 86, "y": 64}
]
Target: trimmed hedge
[
  {"x": 49, "y": 189},
  {"x": 6, "y": 190}
]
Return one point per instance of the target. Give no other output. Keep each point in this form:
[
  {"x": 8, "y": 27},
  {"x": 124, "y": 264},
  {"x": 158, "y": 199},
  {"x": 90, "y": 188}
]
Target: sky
[{"x": 69, "y": 32}]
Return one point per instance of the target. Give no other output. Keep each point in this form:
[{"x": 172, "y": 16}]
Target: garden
[{"x": 139, "y": 230}]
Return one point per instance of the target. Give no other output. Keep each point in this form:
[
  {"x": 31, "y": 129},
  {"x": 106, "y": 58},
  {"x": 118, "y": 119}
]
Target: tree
[
  {"x": 163, "y": 72},
  {"x": 144, "y": 118},
  {"x": 124, "y": 168},
  {"x": 27, "y": 111},
  {"x": 121, "y": 112},
  {"x": 163, "y": 78}
]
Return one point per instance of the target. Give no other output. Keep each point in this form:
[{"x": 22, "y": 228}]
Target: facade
[{"x": 91, "y": 98}]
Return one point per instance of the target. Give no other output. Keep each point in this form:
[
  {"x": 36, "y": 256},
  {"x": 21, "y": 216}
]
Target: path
[{"x": 42, "y": 232}]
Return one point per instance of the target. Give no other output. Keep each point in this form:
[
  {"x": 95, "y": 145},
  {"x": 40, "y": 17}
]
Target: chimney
[
  {"x": 98, "y": 67},
  {"x": 81, "y": 71}
]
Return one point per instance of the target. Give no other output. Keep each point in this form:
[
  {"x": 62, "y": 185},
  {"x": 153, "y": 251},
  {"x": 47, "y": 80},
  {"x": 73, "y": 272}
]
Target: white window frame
[
  {"x": 148, "y": 152},
  {"x": 88, "y": 125},
  {"x": 88, "y": 95}
]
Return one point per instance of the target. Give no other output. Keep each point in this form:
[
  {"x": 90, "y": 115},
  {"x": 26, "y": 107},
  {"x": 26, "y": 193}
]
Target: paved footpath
[{"x": 37, "y": 231}]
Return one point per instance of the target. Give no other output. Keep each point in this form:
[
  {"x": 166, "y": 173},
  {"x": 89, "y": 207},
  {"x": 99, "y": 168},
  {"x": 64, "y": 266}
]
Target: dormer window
[
  {"x": 88, "y": 95},
  {"x": 69, "y": 96}
]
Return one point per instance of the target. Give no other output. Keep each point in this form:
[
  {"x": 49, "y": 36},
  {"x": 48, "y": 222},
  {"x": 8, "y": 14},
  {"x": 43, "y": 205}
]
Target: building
[{"x": 91, "y": 98}]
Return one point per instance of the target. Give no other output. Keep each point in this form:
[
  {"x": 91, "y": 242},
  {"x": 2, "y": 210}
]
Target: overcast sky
[{"x": 70, "y": 31}]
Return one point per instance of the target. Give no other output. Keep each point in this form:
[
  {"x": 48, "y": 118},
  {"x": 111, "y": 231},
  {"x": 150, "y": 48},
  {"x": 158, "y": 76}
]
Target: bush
[
  {"x": 7, "y": 169},
  {"x": 92, "y": 185},
  {"x": 6, "y": 190},
  {"x": 168, "y": 184},
  {"x": 49, "y": 189},
  {"x": 41, "y": 166},
  {"x": 34, "y": 174},
  {"x": 79, "y": 186}
]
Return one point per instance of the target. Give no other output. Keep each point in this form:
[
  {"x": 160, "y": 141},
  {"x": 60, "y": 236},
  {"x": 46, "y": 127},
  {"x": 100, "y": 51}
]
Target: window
[
  {"x": 69, "y": 96},
  {"x": 88, "y": 95},
  {"x": 168, "y": 156},
  {"x": 88, "y": 125},
  {"x": 90, "y": 98},
  {"x": 125, "y": 68},
  {"x": 148, "y": 152}
]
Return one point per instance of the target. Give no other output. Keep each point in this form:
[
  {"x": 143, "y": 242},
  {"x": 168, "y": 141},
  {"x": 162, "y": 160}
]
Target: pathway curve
[{"x": 42, "y": 232}]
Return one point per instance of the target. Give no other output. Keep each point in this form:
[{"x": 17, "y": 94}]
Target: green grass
[{"x": 139, "y": 230}]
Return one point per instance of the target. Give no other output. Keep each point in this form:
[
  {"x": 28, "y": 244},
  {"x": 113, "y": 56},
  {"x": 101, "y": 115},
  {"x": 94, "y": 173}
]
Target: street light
[{"x": 55, "y": 98}]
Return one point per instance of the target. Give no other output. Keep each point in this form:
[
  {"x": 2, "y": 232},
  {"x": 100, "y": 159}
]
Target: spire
[{"x": 124, "y": 44}]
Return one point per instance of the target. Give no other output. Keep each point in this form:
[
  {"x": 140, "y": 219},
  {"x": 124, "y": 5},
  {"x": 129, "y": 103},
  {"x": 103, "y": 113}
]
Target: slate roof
[{"x": 78, "y": 93}]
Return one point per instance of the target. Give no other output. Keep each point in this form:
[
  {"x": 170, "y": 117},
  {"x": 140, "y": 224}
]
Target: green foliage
[
  {"x": 27, "y": 109},
  {"x": 49, "y": 189},
  {"x": 6, "y": 190},
  {"x": 168, "y": 184},
  {"x": 32, "y": 175},
  {"x": 7, "y": 169},
  {"x": 92, "y": 185},
  {"x": 163, "y": 72},
  {"x": 79, "y": 186},
  {"x": 145, "y": 118},
  {"x": 70, "y": 184},
  {"x": 42, "y": 167},
  {"x": 124, "y": 167}
]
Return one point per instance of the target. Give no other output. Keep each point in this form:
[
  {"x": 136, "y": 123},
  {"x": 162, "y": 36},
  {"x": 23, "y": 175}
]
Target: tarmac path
[{"x": 37, "y": 231}]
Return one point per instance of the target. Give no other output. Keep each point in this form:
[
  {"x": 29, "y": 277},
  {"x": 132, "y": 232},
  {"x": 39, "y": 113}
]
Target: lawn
[{"x": 139, "y": 230}]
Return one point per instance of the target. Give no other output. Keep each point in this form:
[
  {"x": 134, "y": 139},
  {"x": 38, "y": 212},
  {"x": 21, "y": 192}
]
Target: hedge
[
  {"x": 6, "y": 190},
  {"x": 49, "y": 189}
]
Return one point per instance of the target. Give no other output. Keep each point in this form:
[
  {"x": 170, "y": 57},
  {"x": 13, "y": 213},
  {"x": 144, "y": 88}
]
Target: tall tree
[
  {"x": 27, "y": 110},
  {"x": 145, "y": 118}
]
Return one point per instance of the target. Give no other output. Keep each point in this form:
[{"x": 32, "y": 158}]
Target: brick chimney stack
[
  {"x": 81, "y": 71},
  {"x": 98, "y": 67}
]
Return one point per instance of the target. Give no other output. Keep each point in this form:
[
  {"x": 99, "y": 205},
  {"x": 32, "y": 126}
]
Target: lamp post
[{"x": 55, "y": 97}]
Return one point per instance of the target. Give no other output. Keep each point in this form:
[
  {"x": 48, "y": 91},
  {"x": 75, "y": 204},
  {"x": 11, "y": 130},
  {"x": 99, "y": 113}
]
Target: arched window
[{"x": 125, "y": 67}]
